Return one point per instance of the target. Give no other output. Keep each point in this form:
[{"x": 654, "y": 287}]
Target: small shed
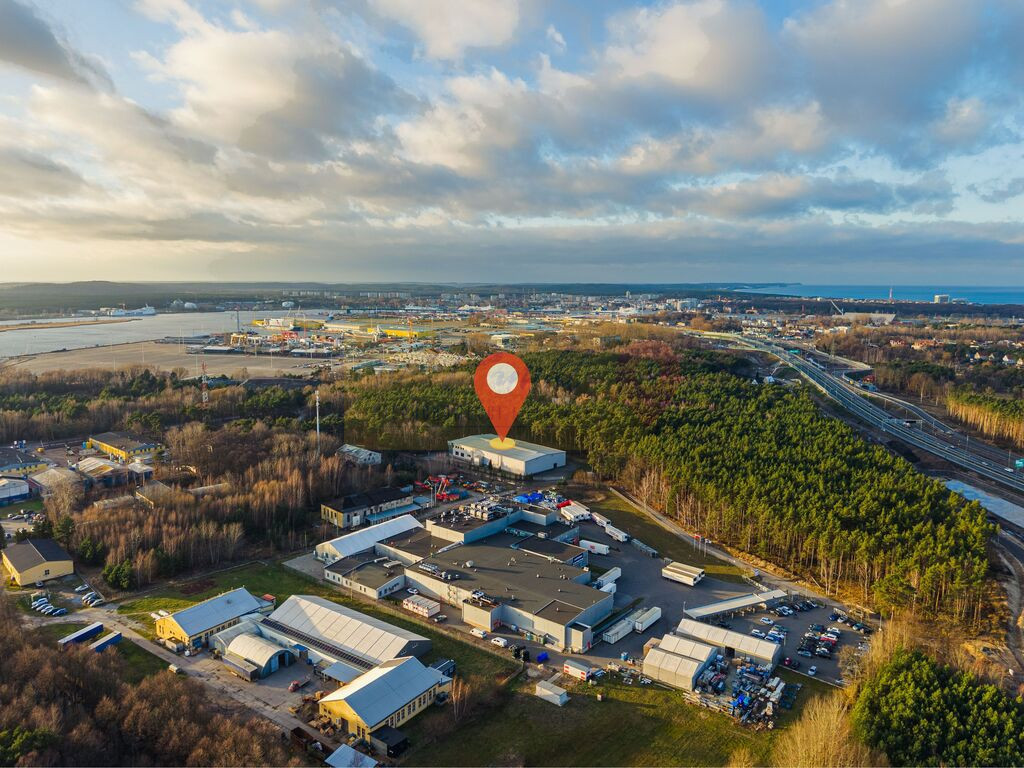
[
  {"x": 552, "y": 693},
  {"x": 576, "y": 669},
  {"x": 389, "y": 741}
]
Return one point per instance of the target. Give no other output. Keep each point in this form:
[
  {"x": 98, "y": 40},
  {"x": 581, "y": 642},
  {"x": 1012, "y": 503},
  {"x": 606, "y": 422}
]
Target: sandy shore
[
  {"x": 35, "y": 326},
  {"x": 164, "y": 357}
]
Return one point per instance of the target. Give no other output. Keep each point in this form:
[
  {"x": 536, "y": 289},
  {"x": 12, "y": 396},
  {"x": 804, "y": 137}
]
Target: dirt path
[{"x": 1015, "y": 602}]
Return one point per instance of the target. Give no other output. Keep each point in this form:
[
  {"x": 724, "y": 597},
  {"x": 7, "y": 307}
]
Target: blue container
[{"x": 542, "y": 657}]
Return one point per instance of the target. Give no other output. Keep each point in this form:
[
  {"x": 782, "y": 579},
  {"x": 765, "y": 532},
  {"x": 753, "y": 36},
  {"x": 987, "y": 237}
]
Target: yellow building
[
  {"x": 22, "y": 463},
  {"x": 398, "y": 332},
  {"x": 35, "y": 560},
  {"x": 122, "y": 447},
  {"x": 193, "y": 626},
  {"x": 388, "y": 695}
]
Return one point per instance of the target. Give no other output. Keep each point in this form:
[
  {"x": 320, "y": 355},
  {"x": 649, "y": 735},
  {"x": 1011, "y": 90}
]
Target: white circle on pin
[{"x": 502, "y": 378}]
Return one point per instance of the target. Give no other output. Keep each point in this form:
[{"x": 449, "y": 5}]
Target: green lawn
[
  {"x": 32, "y": 505},
  {"x": 275, "y": 579},
  {"x": 51, "y": 633},
  {"x": 137, "y": 662},
  {"x": 634, "y": 725},
  {"x": 636, "y": 523}
]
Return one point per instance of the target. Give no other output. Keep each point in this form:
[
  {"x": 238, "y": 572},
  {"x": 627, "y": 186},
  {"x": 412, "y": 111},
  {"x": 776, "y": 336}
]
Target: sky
[{"x": 846, "y": 141}]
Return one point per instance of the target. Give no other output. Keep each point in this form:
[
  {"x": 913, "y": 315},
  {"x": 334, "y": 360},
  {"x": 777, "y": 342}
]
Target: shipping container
[
  {"x": 81, "y": 635},
  {"x": 616, "y": 534},
  {"x": 105, "y": 642},
  {"x": 647, "y": 618},
  {"x": 594, "y": 548},
  {"x": 576, "y": 669},
  {"x": 422, "y": 606}
]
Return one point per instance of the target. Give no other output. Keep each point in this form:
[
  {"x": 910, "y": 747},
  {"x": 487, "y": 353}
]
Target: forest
[
  {"x": 756, "y": 467},
  {"x": 75, "y": 708},
  {"x": 919, "y": 711}
]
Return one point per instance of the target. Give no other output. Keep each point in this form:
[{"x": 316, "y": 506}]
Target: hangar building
[{"x": 525, "y": 460}]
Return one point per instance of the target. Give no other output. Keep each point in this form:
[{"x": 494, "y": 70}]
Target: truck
[
  {"x": 683, "y": 573},
  {"x": 616, "y": 534},
  {"x": 595, "y": 548},
  {"x": 646, "y": 619},
  {"x": 608, "y": 577}
]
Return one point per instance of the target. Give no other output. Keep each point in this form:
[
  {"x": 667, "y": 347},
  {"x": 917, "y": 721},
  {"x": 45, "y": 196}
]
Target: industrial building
[
  {"x": 736, "y": 643},
  {"x": 368, "y": 574},
  {"x": 250, "y": 655},
  {"x": 13, "y": 489},
  {"x": 358, "y": 455},
  {"x": 195, "y": 625},
  {"x": 122, "y": 447},
  {"x": 19, "y": 463},
  {"x": 386, "y": 696},
  {"x": 370, "y": 507},
  {"x": 364, "y": 539},
  {"x": 493, "y": 585},
  {"x": 35, "y": 560},
  {"x": 49, "y": 480},
  {"x": 524, "y": 460},
  {"x": 739, "y": 604},
  {"x": 679, "y": 661},
  {"x": 328, "y": 632}
]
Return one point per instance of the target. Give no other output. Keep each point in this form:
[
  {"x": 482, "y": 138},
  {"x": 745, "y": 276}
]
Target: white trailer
[
  {"x": 616, "y": 534},
  {"x": 617, "y": 631},
  {"x": 599, "y": 519},
  {"x": 682, "y": 573},
  {"x": 594, "y": 548},
  {"x": 573, "y": 512},
  {"x": 646, "y": 619},
  {"x": 608, "y": 577},
  {"x": 609, "y": 588}
]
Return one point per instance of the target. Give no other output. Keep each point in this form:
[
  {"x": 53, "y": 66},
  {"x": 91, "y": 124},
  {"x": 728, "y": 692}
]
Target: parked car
[
  {"x": 757, "y": 633},
  {"x": 791, "y": 663},
  {"x": 81, "y": 588},
  {"x": 765, "y": 620},
  {"x": 48, "y": 610},
  {"x": 817, "y": 627},
  {"x": 439, "y": 618},
  {"x": 60, "y": 612},
  {"x": 412, "y": 591},
  {"x": 501, "y": 642},
  {"x": 812, "y": 670},
  {"x": 805, "y": 653},
  {"x": 97, "y": 601}
]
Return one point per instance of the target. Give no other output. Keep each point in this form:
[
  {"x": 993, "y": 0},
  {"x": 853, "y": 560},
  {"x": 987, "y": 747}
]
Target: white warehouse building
[{"x": 525, "y": 460}]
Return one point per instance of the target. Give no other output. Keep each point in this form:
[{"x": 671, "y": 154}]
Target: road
[{"x": 977, "y": 458}]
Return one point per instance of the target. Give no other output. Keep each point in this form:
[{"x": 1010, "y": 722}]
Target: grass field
[
  {"x": 633, "y": 726},
  {"x": 636, "y": 523},
  {"x": 275, "y": 579},
  {"x": 137, "y": 662}
]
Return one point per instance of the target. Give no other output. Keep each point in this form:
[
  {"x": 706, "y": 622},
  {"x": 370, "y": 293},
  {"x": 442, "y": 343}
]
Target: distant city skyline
[{"x": 823, "y": 142}]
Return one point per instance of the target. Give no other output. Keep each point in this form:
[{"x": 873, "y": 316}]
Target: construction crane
[
  {"x": 205, "y": 388},
  {"x": 837, "y": 307}
]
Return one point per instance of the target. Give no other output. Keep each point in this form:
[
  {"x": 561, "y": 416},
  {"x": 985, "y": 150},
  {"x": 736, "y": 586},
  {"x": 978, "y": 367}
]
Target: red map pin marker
[{"x": 502, "y": 382}]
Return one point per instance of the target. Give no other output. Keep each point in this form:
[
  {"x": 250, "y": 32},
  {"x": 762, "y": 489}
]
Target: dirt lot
[{"x": 164, "y": 357}]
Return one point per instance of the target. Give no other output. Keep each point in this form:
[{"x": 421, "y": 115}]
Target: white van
[
  {"x": 478, "y": 633},
  {"x": 501, "y": 642}
]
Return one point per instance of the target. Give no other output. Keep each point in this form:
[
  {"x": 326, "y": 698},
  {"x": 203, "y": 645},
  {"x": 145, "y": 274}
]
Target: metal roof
[
  {"x": 685, "y": 646},
  {"x": 678, "y": 671},
  {"x": 377, "y": 694},
  {"x": 357, "y": 541},
  {"x": 363, "y": 636},
  {"x": 523, "y": 451},
  {"x": 733, "y": 604},
  {"x": 255, "y": 649},
  {"x": 32, "y": 552},
  {"x": 726, "y": 638},
  {"x": 346, "y": 757},
  {"x": 208, "y": 614},
  {"x": 342, "y": 672}
]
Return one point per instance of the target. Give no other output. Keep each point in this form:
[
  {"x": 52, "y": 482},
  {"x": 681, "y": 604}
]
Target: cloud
[
  {"x": 448, "y": 28},
  {"x": 555, "y": 37},
  {"x": 30, "y": 42},
  {"x": 28, "y": 174},
  {"x": 999, "y": 193}
]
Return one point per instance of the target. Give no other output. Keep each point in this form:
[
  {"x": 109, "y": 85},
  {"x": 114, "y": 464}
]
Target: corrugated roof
[
  {"x": 200, "y": 617},
  {"x": 348, "y": 630},
  {"x": 342, "y": 672},
  {"x": 357, "y": 541},
  {"x": 685, "y": 646},
  {"x": 733, "y": 604},
  {"x": 386, "y": 689},
  {"x": 254, "y": 648},
  {"x": 669, "y": 668},
  {"x": 726, "y": 638},
  {"x": 346, "y": 757}
]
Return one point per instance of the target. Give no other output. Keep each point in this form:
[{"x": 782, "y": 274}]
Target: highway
[{"x": 982, "y": 459}]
